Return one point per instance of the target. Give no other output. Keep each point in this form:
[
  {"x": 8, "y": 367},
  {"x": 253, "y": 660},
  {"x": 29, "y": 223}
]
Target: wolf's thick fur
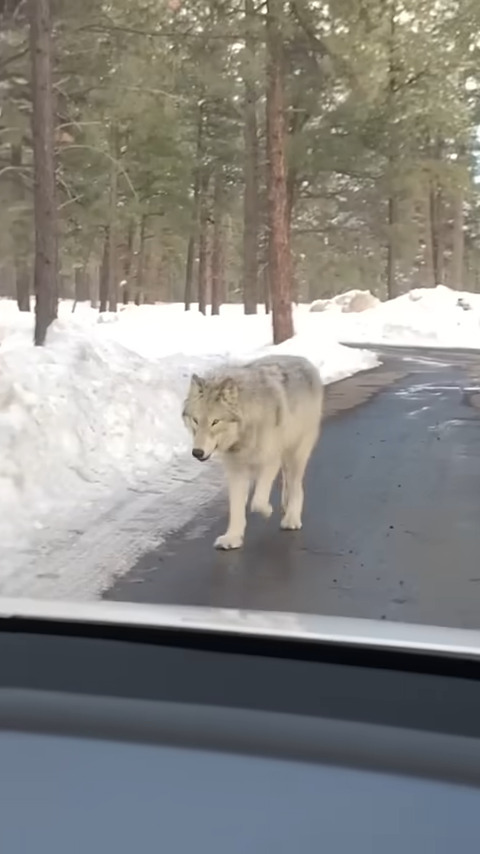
[{"x": 260, "y": 417}]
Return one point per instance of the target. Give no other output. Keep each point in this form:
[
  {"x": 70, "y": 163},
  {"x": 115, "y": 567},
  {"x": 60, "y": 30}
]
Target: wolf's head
[{"x": 211, "y": 413}]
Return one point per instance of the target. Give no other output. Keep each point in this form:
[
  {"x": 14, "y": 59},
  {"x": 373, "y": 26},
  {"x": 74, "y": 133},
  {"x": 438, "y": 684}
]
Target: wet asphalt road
[{"x": 391, "y": 521}]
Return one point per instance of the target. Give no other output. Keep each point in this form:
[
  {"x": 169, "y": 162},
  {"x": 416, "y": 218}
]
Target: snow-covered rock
[
  {"x": 361, "y": 301},
  {"x": 350, "y": 301}
]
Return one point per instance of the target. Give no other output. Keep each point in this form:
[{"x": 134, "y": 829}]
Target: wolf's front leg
[
  {"x": 263, "y": 487},
  {"x": 238, "y": 489}
]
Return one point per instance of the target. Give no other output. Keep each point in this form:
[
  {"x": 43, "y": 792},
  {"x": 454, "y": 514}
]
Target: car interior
[{"x": 112, "y": 736}]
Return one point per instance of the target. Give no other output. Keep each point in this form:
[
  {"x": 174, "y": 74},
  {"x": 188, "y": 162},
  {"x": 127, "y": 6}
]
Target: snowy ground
[{"x": 95, "y": 466}]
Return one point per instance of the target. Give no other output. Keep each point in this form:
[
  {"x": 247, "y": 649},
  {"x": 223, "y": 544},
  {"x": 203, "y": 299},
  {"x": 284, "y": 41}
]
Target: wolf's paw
[
  {"x": 265, "y": 509},
  {"x": 290, "y": 523},
  {"x": 228, "y": 541}
]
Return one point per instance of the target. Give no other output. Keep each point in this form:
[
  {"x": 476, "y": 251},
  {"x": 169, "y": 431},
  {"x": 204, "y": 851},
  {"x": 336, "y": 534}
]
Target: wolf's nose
[{"x": 198, "y": 453}]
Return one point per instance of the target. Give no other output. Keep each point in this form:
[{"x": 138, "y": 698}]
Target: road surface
[{"x": 392, "y": 511}]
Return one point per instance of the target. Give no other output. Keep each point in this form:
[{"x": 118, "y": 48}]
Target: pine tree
[
  {"x": 279, "y": 253},
  {"x": 44, "y": 164}
]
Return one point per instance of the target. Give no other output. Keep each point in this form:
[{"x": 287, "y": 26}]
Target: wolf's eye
[
  {"x": 215, "y": 421},
  {"x": 194, "y": 421}
]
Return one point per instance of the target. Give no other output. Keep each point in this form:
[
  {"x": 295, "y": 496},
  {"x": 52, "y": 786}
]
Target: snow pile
[
  {"x": 350, "y": 301},
  {"x": 100, "y": 405},
  {"x": 79, "y": 412},
  {"x": 424, "y": 317}
]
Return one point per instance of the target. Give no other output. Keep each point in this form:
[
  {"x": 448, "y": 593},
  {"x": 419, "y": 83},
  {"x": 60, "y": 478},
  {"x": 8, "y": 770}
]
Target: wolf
[{"x": 259, "y": 417}]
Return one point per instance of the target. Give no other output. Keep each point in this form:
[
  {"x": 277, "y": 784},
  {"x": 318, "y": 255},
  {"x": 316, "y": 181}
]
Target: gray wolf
[{"x": 260, "y": 417}]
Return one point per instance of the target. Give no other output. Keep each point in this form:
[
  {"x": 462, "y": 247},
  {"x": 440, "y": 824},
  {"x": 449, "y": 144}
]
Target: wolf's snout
[{"x": 199, "y": 454}]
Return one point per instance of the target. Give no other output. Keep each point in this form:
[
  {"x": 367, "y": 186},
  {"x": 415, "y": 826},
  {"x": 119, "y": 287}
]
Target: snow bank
[
  {"x": 100, "y": 405},
  {"x": 424, "y": 317},
  {"x": 350, "y": 301}
]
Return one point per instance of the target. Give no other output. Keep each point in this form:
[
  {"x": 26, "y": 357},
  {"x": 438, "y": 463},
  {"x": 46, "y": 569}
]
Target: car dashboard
[{"x": 118, "y": 736}]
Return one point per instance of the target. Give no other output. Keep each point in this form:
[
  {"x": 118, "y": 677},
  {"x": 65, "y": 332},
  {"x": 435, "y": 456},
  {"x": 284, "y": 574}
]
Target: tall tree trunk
[
  {"x": 127, "y": 261},
  {"x": 251, "y": 171},
  {"x": 95, "y": 285},
  {"x": 112, "y": 243},
  {"x": 218, "y": 271},
  {"x": 280, "y": 259},
  {"x": 292, "y": 192},
  {"x": 82, "y": 289},
  {"x": 392, "y": 201},
  {"x": 458, "y": 242},
  {"x": 392, "y": 290},
  {"x": 428, "y": 256},
  {"x": 112, "y": 271},
  {"x": 162, "y": 283},
  {"x": 192, "y": 240},
  {"x": 104, "y": 275},
  {"x": 264, "y": 248},
  {"x": 139, "y": 286},
  {"x": 189, "y": 271},
  {"x": 45, "y": 271},
  {"x": 203, "y": 244},
  {"x": 148, "y": 286},
  {"x": 436, "y": 221}
]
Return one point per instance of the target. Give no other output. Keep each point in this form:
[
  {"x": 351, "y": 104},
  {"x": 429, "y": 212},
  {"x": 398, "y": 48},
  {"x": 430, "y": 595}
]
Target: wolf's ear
[
  {"x": 228, "y": 391},
  {"x": 197, "y": 383}
]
